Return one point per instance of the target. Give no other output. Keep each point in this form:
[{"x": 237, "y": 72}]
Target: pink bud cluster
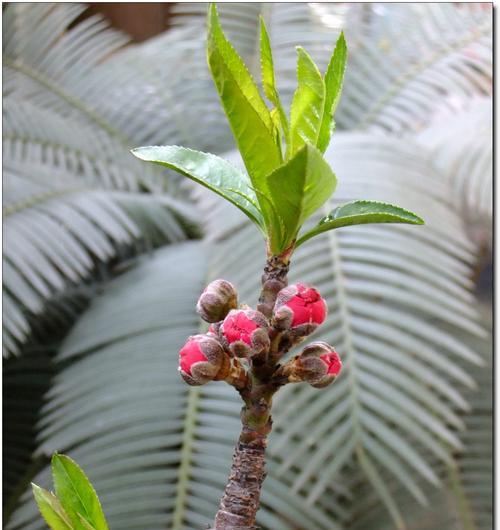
[{"x": 237, "y": 334}]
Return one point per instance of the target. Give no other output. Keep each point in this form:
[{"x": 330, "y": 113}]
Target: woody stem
[{"x": 240, "y": 502}]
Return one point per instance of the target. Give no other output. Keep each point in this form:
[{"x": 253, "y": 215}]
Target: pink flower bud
[
  {"x": 245, "y": 332},
  {"x": 299, "y": 308},
  {"x": 201, "y": 359},
  {"x": 318, "y": 364},
  {"x": 218, "y": 298}
]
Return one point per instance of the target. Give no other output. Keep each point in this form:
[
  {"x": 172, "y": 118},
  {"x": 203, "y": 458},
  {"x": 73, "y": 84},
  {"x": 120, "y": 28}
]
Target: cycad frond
[
  {"x": 401, "y": 73},
  {"x": 56, "y": 229},
  {"x": 49, "y": 64},
  {"x": 127, "y": 92},
  {"x": 398, "y": 406},
  {"x": 37, "y": 135},
  {"x": 460, "y": 145},
  {"x": 474, "y": 492},
  {"x": 155, "y": 106},
  {"x": 468, "y": 479}
]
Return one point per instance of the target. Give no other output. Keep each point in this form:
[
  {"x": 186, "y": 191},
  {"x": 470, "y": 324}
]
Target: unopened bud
[
  {"x": 318, "y": 364},
  {"x": 299, "y": 308},
  {"x": 218, "y": 298},
  {"x": 245, "y": 332},
  {"x": 201, "y": 359}
]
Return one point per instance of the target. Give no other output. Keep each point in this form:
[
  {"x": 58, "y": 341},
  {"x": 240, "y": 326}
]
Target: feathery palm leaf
[
  {"x": 56, "y": 228},
  {"x": 468, "y": 479},
  {"x": 49, "y": 64},
  {"x": 403, "y": 72},
  {"x": 59, "y": 156},
  {"x": 36, "y": 135},
  {"x": 128, "y": 92},
  {"x": 463, "y": 151}
]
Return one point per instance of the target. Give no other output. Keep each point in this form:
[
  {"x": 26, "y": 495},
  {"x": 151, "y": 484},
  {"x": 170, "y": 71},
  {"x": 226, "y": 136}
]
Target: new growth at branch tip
[{"x": 287, "y": 177}]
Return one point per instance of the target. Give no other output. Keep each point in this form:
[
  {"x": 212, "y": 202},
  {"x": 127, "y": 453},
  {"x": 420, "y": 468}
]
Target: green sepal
[{"x": 362, "y": 212}]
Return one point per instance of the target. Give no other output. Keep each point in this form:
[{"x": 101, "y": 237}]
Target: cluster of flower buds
[
  {"x": 318, "y": 364},
  {"x": 241, "y": 333}
]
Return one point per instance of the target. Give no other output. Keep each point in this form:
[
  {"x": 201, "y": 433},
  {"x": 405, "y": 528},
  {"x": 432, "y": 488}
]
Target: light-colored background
[{"x": 100, "y": 281}]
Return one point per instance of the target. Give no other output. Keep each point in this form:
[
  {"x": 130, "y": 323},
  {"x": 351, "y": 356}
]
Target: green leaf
[
  {"x": 76, "y": 494},
  {"x": 210, "y": 171},
  {"x": 85, "y": 523},
  {"x": 51, "y": 509},
  {"x": 298, "y": 188},
  {"x": 275, "y": 227},
  {"x": 308, "y": 104},
  {"x": 334, "y": 77},
  {"x": 268, "y": 78},
  {"x": 248, "y": 115},
  {"x": 362, "y": 212}
]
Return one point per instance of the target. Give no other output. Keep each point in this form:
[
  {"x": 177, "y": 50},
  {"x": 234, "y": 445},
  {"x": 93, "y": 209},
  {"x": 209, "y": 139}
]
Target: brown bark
[{"x": 241, "y": 499}]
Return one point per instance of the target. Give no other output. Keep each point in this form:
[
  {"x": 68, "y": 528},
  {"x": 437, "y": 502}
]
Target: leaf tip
[
  {"x": 138, "y": 152},
  {"x": 212, "y": 22},
  {"x": 213, "y": 14}
]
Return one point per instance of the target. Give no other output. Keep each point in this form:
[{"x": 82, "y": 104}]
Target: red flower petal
[
  {"x": 190, "y": 354},
  {"x": 238, "y": 327},
  {"x": 318, "y": 312},
  {"x": 307, "y": 306},
  {"x": 332, "y": 360}
]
